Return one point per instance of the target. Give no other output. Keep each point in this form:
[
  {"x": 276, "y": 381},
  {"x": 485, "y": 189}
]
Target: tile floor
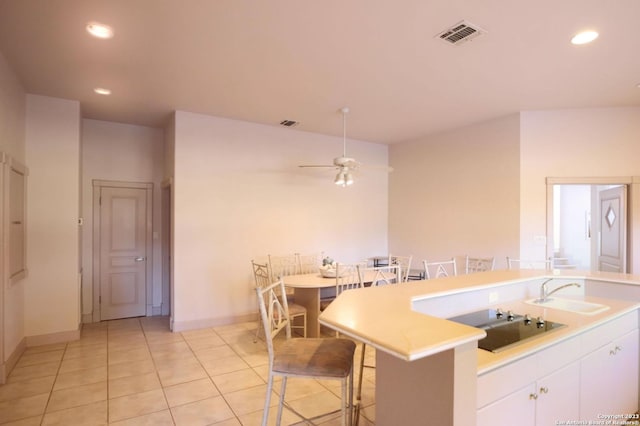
[{"x": 136, "y": 372}]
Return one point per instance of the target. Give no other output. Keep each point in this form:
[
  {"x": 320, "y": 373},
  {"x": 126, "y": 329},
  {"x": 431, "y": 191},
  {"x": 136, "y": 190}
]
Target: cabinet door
[
  {"x": 558, "y": 396},
  {"x": 595, "y": 383},
  {"x": 516, "y": 409},
  {"x": 625, "y": 374},
  {"x": 609, "y": 379}
]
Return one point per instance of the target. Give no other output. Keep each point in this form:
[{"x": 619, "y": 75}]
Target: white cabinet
[
  {"x": 517, "y": 408},
  {"x": 556, "y": 396},
  {"x": 541, "y": 403},
  {"x": 594, "y": 373},
  {"x": 609, "y": 379}
]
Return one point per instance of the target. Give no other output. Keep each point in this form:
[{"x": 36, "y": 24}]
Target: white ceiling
[{"x": 265, "y": 61}]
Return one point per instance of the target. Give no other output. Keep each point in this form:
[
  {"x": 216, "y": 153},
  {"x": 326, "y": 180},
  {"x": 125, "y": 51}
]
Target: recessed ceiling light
[
  {"x": 584, "y": 37},
  {"x": 102, "y": 91},
  {"x": 99, "y": 30}
]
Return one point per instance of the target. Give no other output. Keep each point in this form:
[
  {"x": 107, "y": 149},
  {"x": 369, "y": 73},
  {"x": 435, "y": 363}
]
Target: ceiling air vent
[
  {"x": 288, "y": 123},
  {"x": 461, "y": 32}
]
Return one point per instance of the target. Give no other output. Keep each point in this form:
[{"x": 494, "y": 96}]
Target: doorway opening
[{"x": 587, "y": 224}]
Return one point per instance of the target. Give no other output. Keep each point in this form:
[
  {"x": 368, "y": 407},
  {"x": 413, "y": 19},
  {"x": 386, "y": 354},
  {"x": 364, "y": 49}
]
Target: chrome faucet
[{"x": 545, "y": 293}]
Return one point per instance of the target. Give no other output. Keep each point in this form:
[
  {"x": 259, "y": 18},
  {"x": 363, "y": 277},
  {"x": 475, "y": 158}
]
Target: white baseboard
[
  {"x": 11, "y": 361},
  {"x": 211, "y": 322},
  {"x": 52, "y": 338}
]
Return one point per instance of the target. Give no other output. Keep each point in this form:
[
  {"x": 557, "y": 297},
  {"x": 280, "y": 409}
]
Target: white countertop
[{"x": 383, "y": 316}]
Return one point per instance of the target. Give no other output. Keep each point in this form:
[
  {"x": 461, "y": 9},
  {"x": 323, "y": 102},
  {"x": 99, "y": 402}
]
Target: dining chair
[
  {"x": 377, "y": 276},
  {"x": 546, "y": 264},
  {"x": 346, "y": 279},
  {"x": 262, "y": 276},
  {"x": 405, "y": 265},
  {"x": 440, "y": 269},
  {"x": 318, "y": 358},
  {"x": 479, "y": 264},
  {"x": 309, "y": 263},
  {"x": 283, "y": 265}
]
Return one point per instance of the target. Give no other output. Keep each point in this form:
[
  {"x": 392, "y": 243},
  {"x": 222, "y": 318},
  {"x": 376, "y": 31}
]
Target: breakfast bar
[{"x": 429, "y": 369}]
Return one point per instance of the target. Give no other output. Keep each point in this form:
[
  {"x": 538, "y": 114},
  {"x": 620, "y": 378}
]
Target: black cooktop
[{"x": 505, "y": 329}]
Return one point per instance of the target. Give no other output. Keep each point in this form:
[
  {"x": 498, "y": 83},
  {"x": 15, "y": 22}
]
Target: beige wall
[
  {"x": 239, "y": 195},
  {"x": 52, "y": 293},
  {"x": 120, "y": 152},
  {"x": 12, "y": 142},
  {"x": 12, "y": 113},
  {"x": 599, "y": 142},
  {"x": 482, "y": 189},
  {"x": 456, "y": 194}
]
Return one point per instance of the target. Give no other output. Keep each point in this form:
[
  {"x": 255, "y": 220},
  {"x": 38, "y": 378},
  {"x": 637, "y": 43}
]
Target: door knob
[{"x": 139, "y": 259}]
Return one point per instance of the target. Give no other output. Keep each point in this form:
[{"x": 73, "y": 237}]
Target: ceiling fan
[{"x": 345, "y": 165}]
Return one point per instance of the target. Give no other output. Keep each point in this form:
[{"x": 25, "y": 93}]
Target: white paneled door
[
  {"x": 613, "y": 229},
  {"x": 123, "y": 251}
]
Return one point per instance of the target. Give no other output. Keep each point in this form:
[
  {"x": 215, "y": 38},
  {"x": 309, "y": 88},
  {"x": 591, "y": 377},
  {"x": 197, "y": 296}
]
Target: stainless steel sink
[{"x": 570, "y": 305}]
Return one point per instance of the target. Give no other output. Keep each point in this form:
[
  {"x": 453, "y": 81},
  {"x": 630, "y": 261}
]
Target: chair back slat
[
  {"x": 277, "y": 313},
  {"x": 309, "y": 263},
  {"x": 346, "y": 277},
  {"x": 405, "y": 264},
  {"x": 261, "y": 274},
  {"x": 479, "y": 264},
  {"x": 381, "y": 275},
  {"x": 440, "y": 269},
  {"x": 282, "y": 266},
  {"x": 274, "y": 312}
]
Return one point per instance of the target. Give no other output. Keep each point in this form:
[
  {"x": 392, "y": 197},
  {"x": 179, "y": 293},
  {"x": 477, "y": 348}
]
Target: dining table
[
  {"x": 307, "y": 289},
  {"x": 307, "y": 292}
]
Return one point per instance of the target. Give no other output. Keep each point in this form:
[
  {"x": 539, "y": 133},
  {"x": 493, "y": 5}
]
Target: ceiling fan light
[
  {"x": 339, "y": 180},
  {"x": 348, "y": 179}
]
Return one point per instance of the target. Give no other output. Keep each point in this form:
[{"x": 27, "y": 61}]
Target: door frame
[
  {"x": 97, "y": 186},
  {"x": 166, "y": 212},
  {"x": 633, "y": 206}
]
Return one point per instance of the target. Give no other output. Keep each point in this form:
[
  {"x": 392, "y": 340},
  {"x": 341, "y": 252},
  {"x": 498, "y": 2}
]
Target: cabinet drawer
[
  {"x": 499, "y": 383},
  {"x": 558, "y": 355}
]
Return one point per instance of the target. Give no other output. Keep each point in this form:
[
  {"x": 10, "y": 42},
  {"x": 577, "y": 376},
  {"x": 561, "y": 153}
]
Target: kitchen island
[{"x": 429, "y": 370}]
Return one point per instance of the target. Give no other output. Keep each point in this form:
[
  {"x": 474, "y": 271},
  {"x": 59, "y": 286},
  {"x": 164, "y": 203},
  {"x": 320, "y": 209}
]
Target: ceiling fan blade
[
  {"x": 317, "y": 166},
  {"x": 377, "y": 167}
]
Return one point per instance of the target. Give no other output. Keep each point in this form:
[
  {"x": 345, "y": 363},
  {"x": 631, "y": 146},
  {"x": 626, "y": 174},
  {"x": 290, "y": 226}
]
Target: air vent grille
[
  {"x": 288, "y": 123},
  {"x": 460, "y": 32}
]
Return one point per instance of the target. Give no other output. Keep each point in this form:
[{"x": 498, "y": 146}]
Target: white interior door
[
  {"x": 612, "y": 229},
  {"x": 123, "y": 252}
]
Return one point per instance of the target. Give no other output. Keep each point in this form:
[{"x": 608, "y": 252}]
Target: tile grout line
[
  {"x": 64, "y": 351},
  {"x": 209, "y": 376},
  {"x": 155, "y": 369}
]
